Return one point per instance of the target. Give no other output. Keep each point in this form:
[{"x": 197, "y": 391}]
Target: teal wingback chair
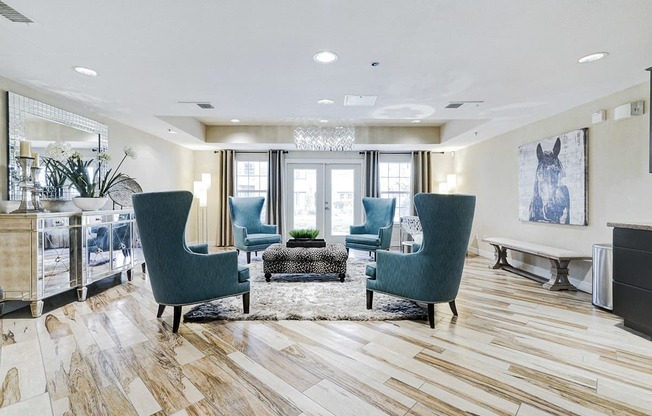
[
  {"x": 432, "y": 274},
  {"x": 249, "y": 233},
  {"x": 181, "y": 274},
  {"x": 376, "y": 233}
]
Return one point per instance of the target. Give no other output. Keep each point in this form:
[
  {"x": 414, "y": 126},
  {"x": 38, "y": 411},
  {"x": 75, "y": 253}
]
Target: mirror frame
[{"x": 18, "y": 107}]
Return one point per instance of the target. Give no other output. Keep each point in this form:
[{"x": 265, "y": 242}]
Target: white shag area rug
[{"x": 308, "y": 297}]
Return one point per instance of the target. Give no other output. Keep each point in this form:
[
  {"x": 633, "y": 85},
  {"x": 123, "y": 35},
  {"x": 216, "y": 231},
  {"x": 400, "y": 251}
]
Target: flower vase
[{"x": 89, "y": 203}]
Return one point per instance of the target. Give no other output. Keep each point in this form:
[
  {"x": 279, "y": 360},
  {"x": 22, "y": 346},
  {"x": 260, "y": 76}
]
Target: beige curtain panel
[{"x": 225, "y": 188}]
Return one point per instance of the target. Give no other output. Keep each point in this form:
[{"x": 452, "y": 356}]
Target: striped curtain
[
  {"x": 225, "y": 188},
  {"x": 372, "y": 173},
  {"x": 276, "y": 181},
  {"x": 421, "y": 174}
]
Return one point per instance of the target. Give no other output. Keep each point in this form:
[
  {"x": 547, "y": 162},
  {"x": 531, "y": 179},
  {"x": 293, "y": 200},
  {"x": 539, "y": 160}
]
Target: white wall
[{"x": 619, "y": 184}]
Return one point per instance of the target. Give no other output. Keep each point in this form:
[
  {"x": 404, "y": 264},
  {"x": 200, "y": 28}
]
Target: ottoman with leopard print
[{"x": 324, "y": 260}]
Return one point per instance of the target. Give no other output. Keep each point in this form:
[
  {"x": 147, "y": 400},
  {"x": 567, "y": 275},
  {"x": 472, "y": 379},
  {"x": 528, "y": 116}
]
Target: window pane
[
  {"x": 342, "y": 201},
  {"x": 395, "y": 182},
  {"x": 305, "y": 209},
  {"x": 251, "y": 181}
]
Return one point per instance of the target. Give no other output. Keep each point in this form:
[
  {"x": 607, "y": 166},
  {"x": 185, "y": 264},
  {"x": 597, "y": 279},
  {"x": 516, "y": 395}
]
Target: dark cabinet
[{"x": 632, "y": 273}]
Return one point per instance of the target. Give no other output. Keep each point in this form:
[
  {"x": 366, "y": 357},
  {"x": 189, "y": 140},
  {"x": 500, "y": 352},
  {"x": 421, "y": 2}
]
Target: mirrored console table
[{"x": 44, "y": 254}]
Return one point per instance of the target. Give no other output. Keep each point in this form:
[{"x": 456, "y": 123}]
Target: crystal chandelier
[{"x": 324, "y": 138}]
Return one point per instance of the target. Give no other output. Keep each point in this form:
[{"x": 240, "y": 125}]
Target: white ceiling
[{"x": 252, "y": 60}]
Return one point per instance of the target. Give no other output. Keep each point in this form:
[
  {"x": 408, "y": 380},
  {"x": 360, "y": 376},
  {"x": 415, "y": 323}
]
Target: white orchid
[
  {"x": 58, "y": 150},
  {"x": 129, "y": 151}
]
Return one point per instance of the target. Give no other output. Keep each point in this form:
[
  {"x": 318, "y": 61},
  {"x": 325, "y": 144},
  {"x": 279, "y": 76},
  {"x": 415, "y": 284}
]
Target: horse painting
[{"x": 551, "y": 199}]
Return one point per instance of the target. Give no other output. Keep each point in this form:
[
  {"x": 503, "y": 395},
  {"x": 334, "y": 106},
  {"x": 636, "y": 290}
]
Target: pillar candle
[
  {"x": 37, "y": 160},
  {"x": 25, "y": 149}
]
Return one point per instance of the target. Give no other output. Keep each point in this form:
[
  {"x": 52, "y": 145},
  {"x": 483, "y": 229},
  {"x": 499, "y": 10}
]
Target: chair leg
[
  {"x": 161, "y": 308},
  {"x": 177, "y": 319},
  {"x": 453, "y": 307},
  {"x": 370, "y": 298},
  {"x": 248, "y": 257},
  {"x": 431, "y": 315},
  {"x": 245, "y": 302}
]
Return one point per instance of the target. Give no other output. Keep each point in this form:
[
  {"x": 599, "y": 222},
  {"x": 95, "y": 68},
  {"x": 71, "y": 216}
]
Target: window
[
  {"x": 251, "y": 177},
  {"x": 395, "y": 182}
]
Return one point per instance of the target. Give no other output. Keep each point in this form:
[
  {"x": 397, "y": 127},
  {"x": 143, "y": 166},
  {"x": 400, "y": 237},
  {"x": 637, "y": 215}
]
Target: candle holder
[
  {"x": 37, "y": 190},
  {"x": 30, "y": 187}
]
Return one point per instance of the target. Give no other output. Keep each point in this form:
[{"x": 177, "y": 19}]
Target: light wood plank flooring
[{"x": 515, "y": 349}]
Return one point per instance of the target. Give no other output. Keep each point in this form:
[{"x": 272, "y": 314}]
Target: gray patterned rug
[{"x": 308, "y": 297}]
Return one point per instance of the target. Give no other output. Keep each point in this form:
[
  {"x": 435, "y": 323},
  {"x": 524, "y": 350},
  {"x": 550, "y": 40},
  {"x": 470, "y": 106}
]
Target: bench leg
[
  {"x": 559, "y": 276},
  {"x": 501, "y": 257}
]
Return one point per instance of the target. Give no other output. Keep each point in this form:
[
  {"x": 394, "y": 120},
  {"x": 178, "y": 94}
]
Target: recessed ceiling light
[
  {"x": 325, "y": 57},
  {"x": 593, "y": 57},
  {"x": 416, "y": 121},
  {"x": 86, "y": 71},
  {"x": 323, "y": 121},
  {"x": 235, "y": 120},
  {"x": 325, "y": 101}
]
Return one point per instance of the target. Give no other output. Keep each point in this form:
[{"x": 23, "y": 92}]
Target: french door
[{"x": 326, "y": 196}]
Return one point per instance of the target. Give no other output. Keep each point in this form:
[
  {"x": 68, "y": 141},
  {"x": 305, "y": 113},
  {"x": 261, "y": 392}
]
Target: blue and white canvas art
[{"x": 552, "y": 182}]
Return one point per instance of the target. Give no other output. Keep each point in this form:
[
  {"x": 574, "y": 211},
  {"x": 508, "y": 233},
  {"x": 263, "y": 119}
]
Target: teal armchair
[
  {"x": 432, "y": 274},
  {"x": 180, "y": 274},
  {"x": 376, "y": 233},
  {"x": 249, "y": 233}
]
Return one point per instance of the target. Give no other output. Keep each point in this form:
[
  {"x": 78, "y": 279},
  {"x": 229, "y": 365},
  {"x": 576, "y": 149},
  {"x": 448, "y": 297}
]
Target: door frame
[{"x": 321, "y": 166}]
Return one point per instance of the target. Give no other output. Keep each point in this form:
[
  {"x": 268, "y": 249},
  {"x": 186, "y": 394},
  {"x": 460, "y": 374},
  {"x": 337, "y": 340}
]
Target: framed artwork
[{"x": 552, "y": 179}]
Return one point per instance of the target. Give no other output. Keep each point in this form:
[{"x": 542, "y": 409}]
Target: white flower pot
[{"x": 89, "y": 204}]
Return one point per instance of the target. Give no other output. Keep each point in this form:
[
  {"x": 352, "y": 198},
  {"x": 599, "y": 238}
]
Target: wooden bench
[{"x": 559, "y": 258}]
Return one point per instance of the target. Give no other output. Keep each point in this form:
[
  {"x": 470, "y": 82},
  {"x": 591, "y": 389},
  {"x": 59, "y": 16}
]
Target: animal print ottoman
[{"x": 324, "y": 260}]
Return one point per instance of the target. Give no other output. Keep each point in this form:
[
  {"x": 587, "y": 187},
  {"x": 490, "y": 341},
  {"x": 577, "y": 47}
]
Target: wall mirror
[{"x": 42, "y": 124}]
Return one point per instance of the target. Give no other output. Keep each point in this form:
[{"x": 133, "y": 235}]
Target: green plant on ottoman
[
  {"x": 305, "y": 237},
  {"x": 304, "y": 233}
]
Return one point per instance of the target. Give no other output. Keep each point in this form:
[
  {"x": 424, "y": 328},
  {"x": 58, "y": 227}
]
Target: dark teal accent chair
[
  {"x": 181, "y": 274},
  {"x": 249, "y": 233},
  {"x": 376, "y": 233},
  {"x": 432, "y": 274}
]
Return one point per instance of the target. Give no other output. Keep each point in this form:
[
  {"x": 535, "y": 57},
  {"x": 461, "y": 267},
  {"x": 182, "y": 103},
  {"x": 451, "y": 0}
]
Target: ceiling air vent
[
  {"x": 11, "y": 14},
  {"x": 359, "y": 100},
  {"x": 458, "y": 104},
  {"x": 205, "y": 105}
]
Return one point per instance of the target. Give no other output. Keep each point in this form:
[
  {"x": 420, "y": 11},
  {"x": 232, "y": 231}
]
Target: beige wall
[
  {"x": 619, "y": 184},
  {"x": 160, "y": 165},
  {"x": 229, "y": 136}
]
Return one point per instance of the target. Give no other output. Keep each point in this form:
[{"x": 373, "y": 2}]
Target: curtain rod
[
  {"x": 249, "y": 151},
  {"x": 401, "y": 153}
]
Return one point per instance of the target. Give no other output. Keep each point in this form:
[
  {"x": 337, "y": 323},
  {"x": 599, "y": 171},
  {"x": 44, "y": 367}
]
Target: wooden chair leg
[
  {"x": 161, "y": 308},
  {"x": 245, "y": 302},
  {"x": 431, "y": 315},
  {"x": 177, "y": 319},
  {"x": 453, "y": 307},
  {"x": 370, "y": 298},
  {"x": 248, "y": 257}
]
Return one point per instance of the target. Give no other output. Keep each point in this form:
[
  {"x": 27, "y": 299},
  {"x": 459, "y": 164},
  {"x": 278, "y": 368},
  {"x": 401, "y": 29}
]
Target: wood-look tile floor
[{"x": 515, "y": 349}]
